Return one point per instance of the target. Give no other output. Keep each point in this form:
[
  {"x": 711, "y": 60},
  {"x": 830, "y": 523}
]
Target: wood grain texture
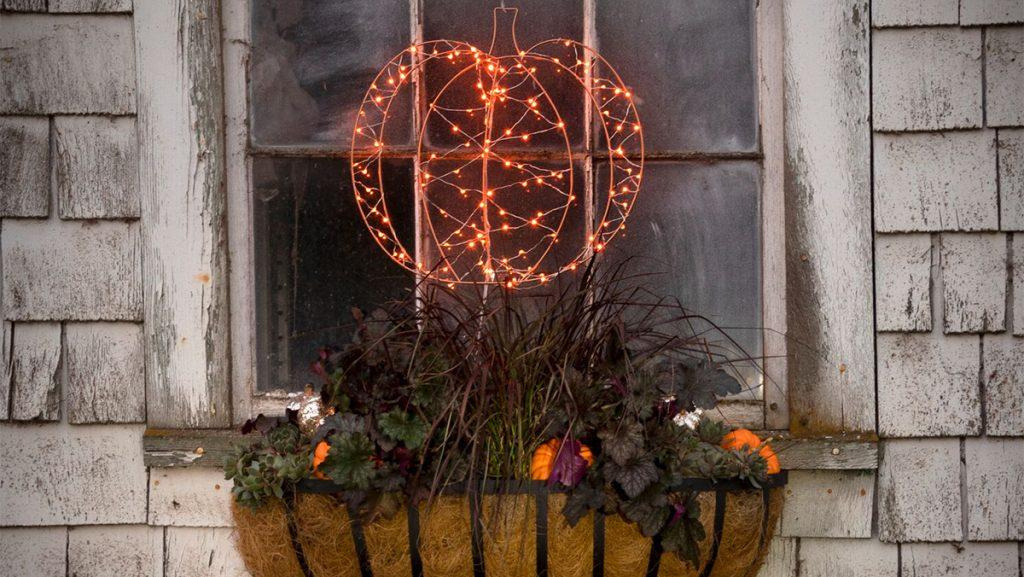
[
  {"x": 60, "y": 474},
  {"x": 919, "y": 491},
  {"x": 995, "y": 502},
  {"x": 202, "y": 552},
  {"x": 35, "y": 552},
  {"x": 926, "y": 79},
  {"x": 1018, "y": 285},
  {"x": 35, "y": 372},
  {"x": 974, "y": 282},
  {"x": 24, "y": 166},
  {"x": 836, "y": 504},
  {"x": 848, "y": 558},
  {"x": 928, "y": 385},
  {"x": 194, "y": 497},
  {"x": 105, "y": 373},
  {"x": 80, "y": 6},
  {"x": 1003, "y": 379},
  {"x": 181, "y": 163},
  {"x": 781, "y": 560},
  {"x": 5, "y": 369},
  {"x": 828, "y": 217},
  {"x": 96, "y": 167},
  {"x": 235, "y": 19},
  {"x": 61, "y": 270},
  {"x": 124, "y": 550},
  {"x": 903, "y": 264},
  {"x": 771, "y": 80},
  {"x": 918, "y": 13},
  {"x": 1011, "y": 179},
  {"x": 25, "y": 5},
  {"x": 975, "y": 12},
  {"x": 50, "y": 65},
  {"x": 949, "y": 560},
  {"x": 1004, "y": 76},
  {"x": 936, "y": 181}
]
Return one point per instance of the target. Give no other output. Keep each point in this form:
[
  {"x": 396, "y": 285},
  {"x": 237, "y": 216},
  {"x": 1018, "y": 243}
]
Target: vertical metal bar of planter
[
  {"x": 413, "y": 515},
  {"x": 293, "y": 534},
  {"x": 598, "y": 544},
  {"x": 477, "y": 525},
  {"x": 541, "y": 495},
  {"x": 720, "y": 495},
  {"x": 360, "y": 542}
]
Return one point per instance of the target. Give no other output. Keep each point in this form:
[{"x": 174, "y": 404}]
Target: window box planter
[{"x": 502, "y": 530}]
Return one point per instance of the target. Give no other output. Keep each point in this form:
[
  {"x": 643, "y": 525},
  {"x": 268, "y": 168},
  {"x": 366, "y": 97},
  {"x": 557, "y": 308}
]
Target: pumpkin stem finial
[{"x": 503, "y": 35}]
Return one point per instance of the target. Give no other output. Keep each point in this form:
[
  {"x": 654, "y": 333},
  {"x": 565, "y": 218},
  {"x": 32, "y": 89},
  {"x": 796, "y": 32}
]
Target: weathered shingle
[
  {"x": 35, "y": 552},
  {"x": 919, "y": 13},
  {"x": 25, "y": 5},
  {"x": 974, "y": 282},
  {"x": 828, "y": 504},
  {"x": 206, "y": 552},
  {"x": 928, "y": 385},
  {"x": 949, "y": 560},
  {"x": 35, "y": 372},
  {"x": 105, "y": 373},
  {"x": 995, "y": 502},
  {"x": 919, "y": 491},
  {"x": 903, "y": 265},
  {"x": 96, "y": 169},
  {"x": 1011, "y": 179},
  {"x": 975, "y": 12},
  {"x": 60, "y": 270},
  {"x": 66, "y": 64},
  {"x": 24, "y": 166},
  {"x": 926, "y": 79},
  {"x": 1004, "y": 76},
  {"x": 1003, "y": 377},
  {"x": 63, "y": 474},
  {"x": 936, "y": 181},
  {"x": 197, "y": 497},
  {"x": 781, "y": 559},
  {"x": 1018, "y": 285},
  {"x": 5, "y": 369},
  {"x": 847, "y": 558},
  {"x": 90, "y": 6},
  {"x": 127, "y": 551}
]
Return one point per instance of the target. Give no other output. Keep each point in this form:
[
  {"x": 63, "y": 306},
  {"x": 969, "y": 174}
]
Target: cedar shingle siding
[{"x": 906, "y": 129}]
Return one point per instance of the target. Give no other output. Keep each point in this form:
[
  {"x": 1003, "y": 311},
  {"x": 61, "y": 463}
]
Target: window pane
[
  {"x": 696, "y": 229},
  {"x": 312, "y": 62},
  {"x": 315, "y": 260},
  {"x": 692, "y": 63},
  {"x": 471, "y": 21}
]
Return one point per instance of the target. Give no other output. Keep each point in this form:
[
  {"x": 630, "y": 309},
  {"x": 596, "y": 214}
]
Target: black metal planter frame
[{"x": 540, "y": 491}]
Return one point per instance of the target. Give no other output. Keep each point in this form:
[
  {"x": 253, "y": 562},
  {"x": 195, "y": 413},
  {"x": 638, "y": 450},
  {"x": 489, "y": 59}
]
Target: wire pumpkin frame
[{"x": 494, "y": 210}]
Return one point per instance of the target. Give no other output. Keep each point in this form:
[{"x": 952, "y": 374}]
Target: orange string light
[{"x": 519, "y": 210}]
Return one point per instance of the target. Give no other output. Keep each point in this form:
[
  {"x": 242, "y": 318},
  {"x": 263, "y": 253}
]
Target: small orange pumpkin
[
  {"x": 544, "y": 459},
  {"x": 319, "y": 456},
  {"x": 743, "y": 439}
]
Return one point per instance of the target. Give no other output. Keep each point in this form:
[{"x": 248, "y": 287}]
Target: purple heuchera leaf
[
  {"x": 569, "y": 466},
  {"x": 678, "y": 510}
]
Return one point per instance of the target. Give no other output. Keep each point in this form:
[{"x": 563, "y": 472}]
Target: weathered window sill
[{"x": 209, "y": 448}]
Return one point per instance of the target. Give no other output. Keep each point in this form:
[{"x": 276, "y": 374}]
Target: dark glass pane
[
  {"x": 312, "y": 62},
  {"x": 695, "y": 230},
  {"x": 453, "y": 84},
  {"x": 693, "y": 68},
  {"x": 315, "y": 260}
]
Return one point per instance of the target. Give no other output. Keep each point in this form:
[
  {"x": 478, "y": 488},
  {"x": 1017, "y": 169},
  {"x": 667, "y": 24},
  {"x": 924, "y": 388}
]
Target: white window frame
[{"x": 769, "y": 412}]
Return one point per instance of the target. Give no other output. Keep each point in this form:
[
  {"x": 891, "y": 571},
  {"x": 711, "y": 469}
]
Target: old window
[{"x": 698, "y": 224}]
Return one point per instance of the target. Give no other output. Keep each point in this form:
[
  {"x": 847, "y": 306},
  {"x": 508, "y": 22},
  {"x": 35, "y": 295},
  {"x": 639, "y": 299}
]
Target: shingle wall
[{"x": 947, "y": 166}]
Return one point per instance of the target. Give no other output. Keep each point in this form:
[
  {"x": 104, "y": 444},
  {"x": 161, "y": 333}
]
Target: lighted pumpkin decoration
[
  {"x": 502, "y": 153},
  {"x": 546, "y": 456},
  {"x": 745, "y": 440}
]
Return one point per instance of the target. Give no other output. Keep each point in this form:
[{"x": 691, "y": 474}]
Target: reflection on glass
[
  {"x": 695, "y": 233},
  {"x": 313, "y": 60},
  {"x": 694, "y": 67},
  {"x": 315, "y": 260}
]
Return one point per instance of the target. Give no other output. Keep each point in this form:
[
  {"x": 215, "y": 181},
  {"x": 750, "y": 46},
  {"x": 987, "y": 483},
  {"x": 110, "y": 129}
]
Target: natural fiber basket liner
[{"x": 312, "y": 535}]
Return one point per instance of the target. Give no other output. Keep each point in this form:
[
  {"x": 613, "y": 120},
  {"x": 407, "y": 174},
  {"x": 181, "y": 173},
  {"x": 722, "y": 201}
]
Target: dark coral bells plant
[{"x": 584, "y": 391}]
